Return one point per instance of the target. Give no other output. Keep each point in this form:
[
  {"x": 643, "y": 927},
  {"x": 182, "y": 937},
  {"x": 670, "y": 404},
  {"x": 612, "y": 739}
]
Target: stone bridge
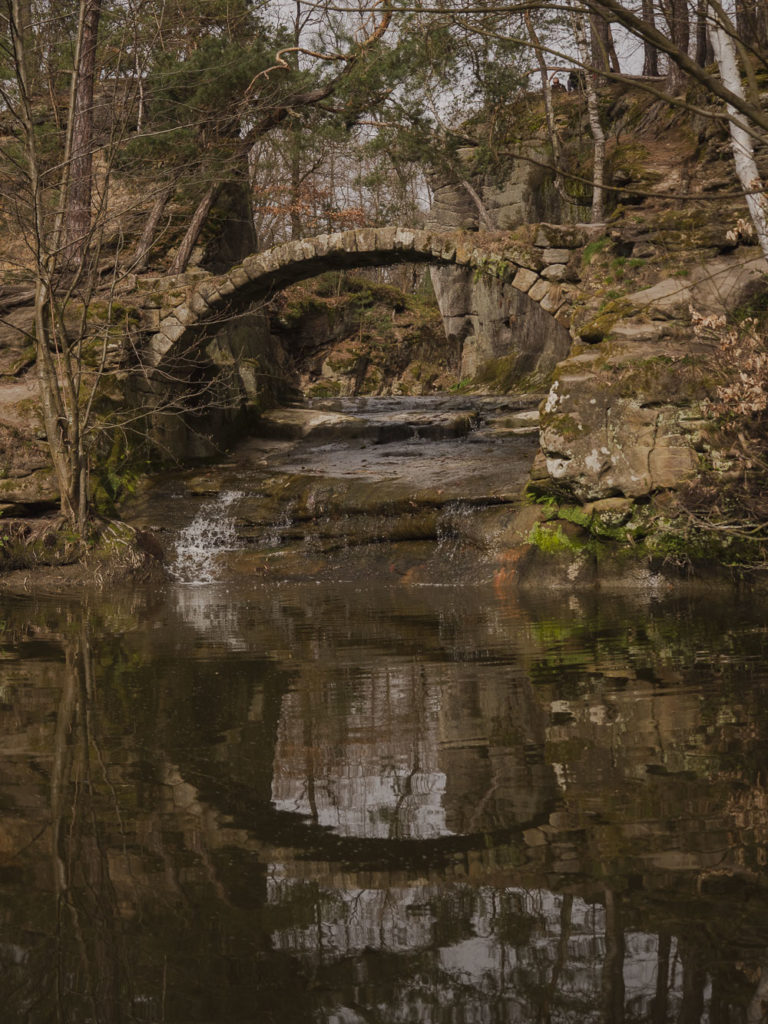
[{"x": 542, "y": 271}]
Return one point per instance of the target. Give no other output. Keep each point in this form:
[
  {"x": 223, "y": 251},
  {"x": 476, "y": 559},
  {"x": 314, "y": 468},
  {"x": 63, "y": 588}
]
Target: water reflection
[{"x": 335, "y": 805}]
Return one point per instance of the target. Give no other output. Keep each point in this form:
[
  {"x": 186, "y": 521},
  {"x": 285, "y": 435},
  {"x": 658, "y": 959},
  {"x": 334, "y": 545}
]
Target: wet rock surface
[{"x": 352, "y": 477}]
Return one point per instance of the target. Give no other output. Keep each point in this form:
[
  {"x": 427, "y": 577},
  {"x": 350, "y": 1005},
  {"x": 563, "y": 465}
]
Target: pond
[
  {"x": 327, "y": 803},
  {"x": 395, "y": 790}
]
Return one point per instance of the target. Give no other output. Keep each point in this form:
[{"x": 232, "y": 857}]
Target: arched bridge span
[{"x": 526, "y": 268}]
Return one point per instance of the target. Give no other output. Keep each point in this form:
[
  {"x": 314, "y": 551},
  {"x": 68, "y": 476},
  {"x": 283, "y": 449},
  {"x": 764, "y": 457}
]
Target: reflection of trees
[
  {"x": 73, "y": 966},
  {"x": 163, "y": 879}
]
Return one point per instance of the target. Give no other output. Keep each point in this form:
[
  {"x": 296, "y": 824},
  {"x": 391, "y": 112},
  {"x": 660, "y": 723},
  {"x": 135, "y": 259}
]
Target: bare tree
[{"x": 80, "y": 130}]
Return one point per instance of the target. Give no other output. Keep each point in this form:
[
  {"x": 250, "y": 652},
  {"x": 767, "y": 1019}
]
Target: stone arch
[{"x": 261, "y": 275}]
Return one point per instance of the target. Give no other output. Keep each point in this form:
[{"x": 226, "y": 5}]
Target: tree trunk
[
  {"x": 297, "y": 226},
  {"x": 650, "y": 53},
  {"x": 548, "y": 108},
  {"x": 680, "y": 34},
  {"x": 189, "y": 240},
  {"x": 55, "y": 418},
  {"x": 78, "y": 208},
  {"x": 741, "y": 141},
  {"x": 752, "y": 22},
  {"x": 593, "y": 110},
  {"x": 482, "y": 213},
  {"x": 613, "y": 963},
  {"x": 704, "y": 54},
  {"x": 758, "y": 1004},
  {"x": 603, "y": 51},
  {"x": 141, "y": 255}
]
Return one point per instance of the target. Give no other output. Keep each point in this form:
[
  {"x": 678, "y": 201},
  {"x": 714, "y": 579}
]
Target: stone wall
[{"x": 489, "y": 320}]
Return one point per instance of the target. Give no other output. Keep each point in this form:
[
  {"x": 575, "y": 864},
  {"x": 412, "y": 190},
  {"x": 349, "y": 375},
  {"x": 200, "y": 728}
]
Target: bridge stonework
[{"x": 544, "y": 270}]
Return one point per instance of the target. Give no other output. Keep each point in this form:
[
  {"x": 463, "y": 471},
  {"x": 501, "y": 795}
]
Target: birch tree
[
  {"x": 743, "y": 112},
  {"x": 578, "y": 20},
  {"x": 741, "y": 141}
]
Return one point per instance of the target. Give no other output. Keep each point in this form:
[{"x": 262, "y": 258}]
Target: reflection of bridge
[
  {"x": 631, "y": 900},
  {"x": 528, "y": 269}
]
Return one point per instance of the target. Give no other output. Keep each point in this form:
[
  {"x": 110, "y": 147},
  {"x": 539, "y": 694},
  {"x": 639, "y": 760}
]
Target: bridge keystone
[
  {"x": 385, "y": 239},
  {"x": 404, "y": 238},
  {"x": 368, "y": 240},
  {"x": 349, "y": 240},
  {"x": 323, "y": 245}
]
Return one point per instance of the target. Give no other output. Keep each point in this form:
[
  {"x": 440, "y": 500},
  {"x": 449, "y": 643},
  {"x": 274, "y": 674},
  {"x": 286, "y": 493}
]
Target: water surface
[{"x": 353, "y": 802}]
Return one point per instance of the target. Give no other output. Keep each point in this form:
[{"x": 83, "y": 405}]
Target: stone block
[
  {"x": 422, "y": 241},
  {"x": 323, "y": 244},
  {"x": 349, "y": 241},
  {"x": 534, "y": 837},
  {"x": 171, "y": 328},
  {"x": 539, "y": 467},
  {"x": 368, "y": 240},
  {"x": 185, "y": 315},
  {"x": 631, "y": 475},
  {"x": 609, "y": 506},
  {"x": 637, "y": 332},
  {"x": 550, "y": 256},
  {"x": 239, "y": 277},
  {"x": 670, "y": 465},
  {"x": 253, "y": 266},
  {"x": 465, "y": 248},
  {"x": 553, "y": 300},
  {"x": 524, "y": 257},
  {"x": 305, "y": 250},
  {"x": 198, "y": 305},
  {"x": 524, "y": 279},
  {"x": 556, "y": 272},
  {"x": 539, "y": 290},
  {"x": 208, "y": 292},
  {"x": 272, "y": 260},
  {"x": 443, "y": 248},
  {"x": 152, "y": 319},
  {"x": 560, "y": 236},
  {"x": 158, "y": 346}
]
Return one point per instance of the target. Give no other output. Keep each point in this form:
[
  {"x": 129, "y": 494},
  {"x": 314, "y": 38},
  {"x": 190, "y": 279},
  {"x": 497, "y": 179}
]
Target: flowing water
[
  {"x": 373, "y": 793},
  {"x": 210, "y": 534}
]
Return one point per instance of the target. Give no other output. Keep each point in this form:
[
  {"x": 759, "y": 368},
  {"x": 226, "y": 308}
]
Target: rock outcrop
[{"x": 627, "y": 412}]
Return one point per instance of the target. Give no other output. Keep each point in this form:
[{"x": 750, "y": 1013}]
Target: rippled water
[{"x": 375, "y": 802}]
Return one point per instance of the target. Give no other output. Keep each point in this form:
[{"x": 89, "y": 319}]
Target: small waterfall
[
  {"x": 273, "y": 535},
  {"x": 211, "y": 532},
  {"x": 451, "y": 529}
]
